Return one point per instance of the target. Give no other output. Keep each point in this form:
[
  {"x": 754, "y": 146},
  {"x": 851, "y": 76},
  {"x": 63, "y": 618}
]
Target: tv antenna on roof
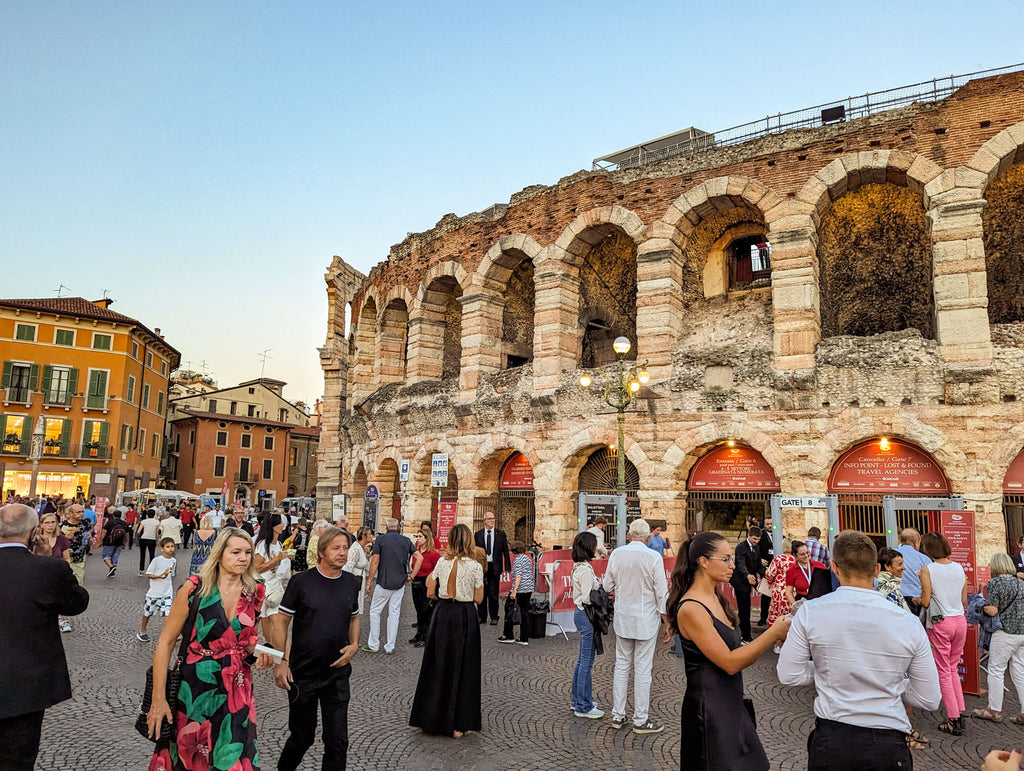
[
  {"x": 106, "y": 294},
  {"x": 60, "y": 289},
  {"x": 263, "y": 360}
]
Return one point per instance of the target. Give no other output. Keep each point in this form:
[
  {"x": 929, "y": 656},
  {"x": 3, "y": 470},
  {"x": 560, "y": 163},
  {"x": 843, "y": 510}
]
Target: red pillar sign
[
  {"x": 447, "y": 514},
  {"x": 958, "y": 528}
]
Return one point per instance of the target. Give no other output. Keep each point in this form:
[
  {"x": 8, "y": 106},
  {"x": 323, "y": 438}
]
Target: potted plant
[
  {"x": 51, "y": 446},
  {"x": 12, "y": 442},
  {"x": 93, "y": 448}
]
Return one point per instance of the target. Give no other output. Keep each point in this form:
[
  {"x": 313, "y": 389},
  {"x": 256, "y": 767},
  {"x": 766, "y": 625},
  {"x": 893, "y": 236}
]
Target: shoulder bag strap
[{"x": 190, "y": 625}]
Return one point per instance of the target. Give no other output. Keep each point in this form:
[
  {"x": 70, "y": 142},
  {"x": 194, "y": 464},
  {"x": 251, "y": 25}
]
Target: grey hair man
[
  {"x": 913, "y": 561},
  {"x": 636, "y": 576},
  {"x": 34, "y": 591},
  {"x": 389, "y": 564}
]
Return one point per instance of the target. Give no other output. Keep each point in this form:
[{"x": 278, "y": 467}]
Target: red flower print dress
[
  {"x": 776, "y": 576},
  {"x": 216, "y": 717}
]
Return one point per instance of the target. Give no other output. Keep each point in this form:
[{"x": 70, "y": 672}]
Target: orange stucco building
[{"x": 99, "y": 380}]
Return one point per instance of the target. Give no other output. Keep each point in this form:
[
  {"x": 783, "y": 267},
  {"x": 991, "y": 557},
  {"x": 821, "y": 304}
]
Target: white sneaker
[
  {"x": 594, "y": 714},
  {"x": 65, "y": 625},
  {"x": 777, "y": 650}
]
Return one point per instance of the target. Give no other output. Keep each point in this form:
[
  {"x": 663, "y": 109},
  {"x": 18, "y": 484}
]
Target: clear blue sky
[{"x": 204, "y": 161}]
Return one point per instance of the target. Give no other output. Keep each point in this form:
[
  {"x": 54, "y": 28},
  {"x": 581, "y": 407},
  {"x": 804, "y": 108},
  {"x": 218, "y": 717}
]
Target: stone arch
[
  {"x": 999, "y": 167},
  {"x": 691, "y": 445},
  {"x": 998, "y": 154},
  {"x": 365, "y": 339},
  {"x": 568, "y": 458},
  {"x": 435, "y": 324},
  {"x": 492, "y": 453},
  {"x": 712, "y": 197},
  {"x": 385, "y": 477},
  {"x": 393, "y": 337},
  {"x": 589, "y": 228},
  {"x": 360, "y": 480}
]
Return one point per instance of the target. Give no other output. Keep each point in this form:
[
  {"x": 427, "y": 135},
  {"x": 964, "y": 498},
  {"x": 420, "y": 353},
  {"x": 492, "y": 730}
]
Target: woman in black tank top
[{"x": 717, "y": 722}]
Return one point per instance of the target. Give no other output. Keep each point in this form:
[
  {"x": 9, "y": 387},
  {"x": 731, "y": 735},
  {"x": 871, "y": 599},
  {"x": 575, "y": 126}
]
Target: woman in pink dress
[{"x": 776, "y": 577}]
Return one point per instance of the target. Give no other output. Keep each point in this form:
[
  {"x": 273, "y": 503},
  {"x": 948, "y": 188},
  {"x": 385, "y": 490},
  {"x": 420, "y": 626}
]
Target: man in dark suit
[
  {"x": 766, "y": 547},
  {"x": 34, "y": 591},
  {"x": 744, "y": 577},
  {"x": 495, "y": 546}
]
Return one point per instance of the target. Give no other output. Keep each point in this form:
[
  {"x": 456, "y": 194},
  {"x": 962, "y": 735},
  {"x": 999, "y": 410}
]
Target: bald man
[{"x": 913, "y": 561}]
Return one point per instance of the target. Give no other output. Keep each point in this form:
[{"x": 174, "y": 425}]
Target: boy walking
[{"x": 161, "y": 586}]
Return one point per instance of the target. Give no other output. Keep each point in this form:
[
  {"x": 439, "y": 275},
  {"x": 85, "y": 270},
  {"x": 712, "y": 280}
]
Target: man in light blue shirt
[{"x": 913, "y": 561}]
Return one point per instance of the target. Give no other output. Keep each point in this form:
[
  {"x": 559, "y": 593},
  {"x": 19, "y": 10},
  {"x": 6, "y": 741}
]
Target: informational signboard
[
  {"x": 804, "y": 502},
  {"x": 371, "y": 513},
  {"x": 338, "y": 506},
  {"x": 372, "y": 492},
  {"x": 517, "y": 474},
  {"x": 403, "y": 471},
  {"x": 733, "y": 468},
  {"x": 887, "y": 466},
  {"x": 958, "y": 527},
  {"x": 447, "y": 515},
  {"x": 439, "y": 469}
]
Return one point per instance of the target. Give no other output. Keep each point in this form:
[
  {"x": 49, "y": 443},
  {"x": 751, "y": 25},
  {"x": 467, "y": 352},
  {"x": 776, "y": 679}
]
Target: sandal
[
  {"x": 1017, "y": 719},
  {"x": 987, "y": 714},
  {"x": 949, "y": 727},
  {"x": 917, "y": 736},
  {"x": 913, "y": 744},
  {"x": 457, "y": 734}
]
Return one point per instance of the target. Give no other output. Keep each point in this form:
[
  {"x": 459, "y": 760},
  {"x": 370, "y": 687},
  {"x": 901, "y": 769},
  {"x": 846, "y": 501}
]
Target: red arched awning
[
  {"x": 887, "y": 466},
  {"x": 516, "y": 474},
  {"x": 1013, "y": 482},
  {"x": 733, "y": 468}
]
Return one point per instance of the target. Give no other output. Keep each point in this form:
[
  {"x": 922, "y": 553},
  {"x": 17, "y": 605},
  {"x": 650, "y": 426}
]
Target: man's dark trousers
[
  {"x": 492, "y": 583},
  {"x": 19, "y": 741},
  {"x": 743, "y": 607},
  {"x": 766, "y": 603},
  {"x": 332, "y": 693},
  {"x": 877, "y": 749}
]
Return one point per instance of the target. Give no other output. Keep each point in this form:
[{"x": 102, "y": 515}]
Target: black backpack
[{"x": 116, "y": 532}]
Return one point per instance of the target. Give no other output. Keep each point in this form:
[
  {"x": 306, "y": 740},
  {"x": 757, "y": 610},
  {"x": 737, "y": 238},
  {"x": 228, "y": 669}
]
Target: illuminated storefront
[{"x": 48, "y": 482}]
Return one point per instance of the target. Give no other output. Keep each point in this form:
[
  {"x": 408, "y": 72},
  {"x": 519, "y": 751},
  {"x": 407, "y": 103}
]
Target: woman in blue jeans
[{"x": 583, "y": 581}]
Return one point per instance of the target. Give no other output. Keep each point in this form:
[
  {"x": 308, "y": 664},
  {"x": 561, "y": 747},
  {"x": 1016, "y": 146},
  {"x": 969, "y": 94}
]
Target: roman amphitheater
[{"x": 832, "y": 306}]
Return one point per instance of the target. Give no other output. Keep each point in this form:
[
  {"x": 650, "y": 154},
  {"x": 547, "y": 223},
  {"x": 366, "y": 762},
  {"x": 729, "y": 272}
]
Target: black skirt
[{"x": 448, "y": 690}]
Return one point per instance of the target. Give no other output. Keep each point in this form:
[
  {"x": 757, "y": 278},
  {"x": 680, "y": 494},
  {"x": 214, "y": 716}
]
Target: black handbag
[
  {"x": 173, "y": 679},
  {"x": 512, "y": 613}
]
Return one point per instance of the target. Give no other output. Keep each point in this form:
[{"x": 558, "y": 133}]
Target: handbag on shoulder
[{"x": 173, "y": 678}]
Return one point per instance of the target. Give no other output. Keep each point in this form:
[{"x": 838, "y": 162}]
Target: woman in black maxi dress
[{"x": 718, "y": 733}]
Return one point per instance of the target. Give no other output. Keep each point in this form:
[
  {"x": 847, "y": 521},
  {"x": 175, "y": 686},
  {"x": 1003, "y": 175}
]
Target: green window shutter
[
  {"x": 26, "y": 431},
  {"x": 33, "y": 377},
  {"x": 47, "y": 379},
  {"x": 131, "y": 436},
  {"x": 104, "y": 434},
  {"x": 72, "y": 384},
  {"x": 65, "y": 437},
  {"x": 86, "y": 434},
  {"x": 6, "y": 381}
]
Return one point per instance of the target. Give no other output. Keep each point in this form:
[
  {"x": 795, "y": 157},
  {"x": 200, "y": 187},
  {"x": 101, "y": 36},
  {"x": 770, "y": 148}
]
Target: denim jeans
[{"x": 582, "y": 698}]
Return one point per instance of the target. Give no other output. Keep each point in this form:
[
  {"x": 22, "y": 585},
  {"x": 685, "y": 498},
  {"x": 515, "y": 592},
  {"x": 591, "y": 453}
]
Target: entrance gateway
[
  {"x": 514, "y": 505},
  {"x": 726, "y": 485}
]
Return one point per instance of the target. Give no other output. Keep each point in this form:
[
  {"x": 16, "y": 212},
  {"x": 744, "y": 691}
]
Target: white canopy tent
[{"x": 153, "y": 493}]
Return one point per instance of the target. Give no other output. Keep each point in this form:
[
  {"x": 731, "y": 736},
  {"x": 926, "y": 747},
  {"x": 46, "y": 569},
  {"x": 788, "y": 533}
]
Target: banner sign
[
  {"x": 958, "y": 527},
  {"x": 403, "y": 471},
  {"x": 99, "y": 507},
  {"x": 517, "y": 474},
  {"x": 558, "y": 565},
  {"x": 733, "y": 468},
  {"x": 439, "y": 469},
  {"x": 887, "y": 466},
  {"x": 447, "y": 514}
]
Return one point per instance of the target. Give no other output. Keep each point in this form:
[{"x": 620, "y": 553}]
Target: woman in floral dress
[
  {"x": 215, "y": 719},
  {"x": 776, "y": 577}
]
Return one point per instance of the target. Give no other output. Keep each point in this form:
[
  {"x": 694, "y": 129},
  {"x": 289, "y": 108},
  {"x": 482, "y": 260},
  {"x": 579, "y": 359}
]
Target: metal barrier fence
[{"x": 841, "y": 110}]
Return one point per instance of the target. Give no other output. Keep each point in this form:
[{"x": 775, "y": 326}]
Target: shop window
[
  {"x": 101, "y": 342},
  {"x": 246, "y": 441},
  {"x": 218, "y": 465},
  {"x": 26, "y": 332},
  {"x": 64, "y": 337}
]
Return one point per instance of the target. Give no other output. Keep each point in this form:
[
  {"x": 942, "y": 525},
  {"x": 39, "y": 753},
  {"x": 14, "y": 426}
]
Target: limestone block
[
  {"x": 1016, "y": 133},
  {"x": 716, "y": 187},
  {"x": 940, "y": 184},
  {"x": 599, "y": 216},
  {"x": 851, "y": 163},
  {"x": 977, "y": 284},
  {"x": 901, "y": 160},
  {"x": 967, "y": 177},
  {"x": 813, "y": 191},
  {"x": 962, "y": 326},
  {"x": 796, "y": 296},
  {"x": 921, "y": 172},
  {"x": 986, "y": 162},
  {"x": 695, "y": 199},
  {"x": 949, "y": 287},
  {"x": 735, "y": 187}
]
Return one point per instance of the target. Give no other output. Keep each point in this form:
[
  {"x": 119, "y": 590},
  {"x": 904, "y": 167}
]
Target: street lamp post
[
  {"x": 35, "y": 452},
  {"x": 618, "y": 393}
]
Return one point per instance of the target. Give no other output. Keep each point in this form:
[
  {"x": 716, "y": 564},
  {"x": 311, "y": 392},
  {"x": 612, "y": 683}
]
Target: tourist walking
[
  {"x": 34, "y": 675},
  {"x": 636, "y": 576},
  {"x": 314, "y": 536},
  {"x": 78, "y": 531},
  {"x": 495, "y": 547},
  {"x": 114, "y": 538},
  {"x": 49, "y": 541},
  {"x": 776, "y": 574},
  {"x": 170, "y": 527},
  {"x": 390, "y": 566},
  {"x": 271, "y": 562},
  {"x": 1004, "y": 598},
  {"x": 149, "y": 530},
  {"x": 160, "y": 595},
  {"x": 218, "y": 719},
  {"x": 944, "y": 595},
  {"x": 745, "y": 577},
  {"x": 425, "y": 546},
  {"x": 358, "y": 563},
  {"x": 520, "y": 593},
  {"x": 584, "y": 581},
  {"x": 188, "y": 524},
  {"x": 717, "y": 729},
  {"x": 890, "y": 577},
  {"x": 202, "y": 545},
  {"x": 913, "y": 561},
  {"x": 447, "y": 700},
  {"x": 798, "y": 577},
  {"x": 867, "y": 660},
  {"x": 316, "y": 666}
]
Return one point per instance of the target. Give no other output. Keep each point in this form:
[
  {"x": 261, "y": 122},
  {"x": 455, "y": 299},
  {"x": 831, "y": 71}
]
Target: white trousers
[
  {"x": 637, "y": 655},
  {"x": 1005, "y": 649},
  {"x": 393, "y": 599}
]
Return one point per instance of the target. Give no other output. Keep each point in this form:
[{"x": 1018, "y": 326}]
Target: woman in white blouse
[
  {"x": 358, "y": 563},
  {"x": 447, "y": 700}
]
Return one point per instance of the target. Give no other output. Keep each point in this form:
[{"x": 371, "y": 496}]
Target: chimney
[{"x": 104, "y": 303}]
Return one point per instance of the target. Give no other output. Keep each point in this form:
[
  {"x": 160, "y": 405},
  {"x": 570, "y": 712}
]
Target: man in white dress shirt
[
  {"x": 600, "y": 523},
  {"x": 636, "y": 576},
  {"x": 867, "y": 658}
]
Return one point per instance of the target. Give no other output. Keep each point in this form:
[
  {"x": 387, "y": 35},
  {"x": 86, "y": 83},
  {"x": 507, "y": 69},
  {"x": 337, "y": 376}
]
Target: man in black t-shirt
[{"x": 324, "y": 603}]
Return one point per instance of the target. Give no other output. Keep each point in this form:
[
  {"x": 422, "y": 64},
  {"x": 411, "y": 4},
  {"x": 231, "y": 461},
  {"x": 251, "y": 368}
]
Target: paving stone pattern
[{"x": 526, "y": 716}]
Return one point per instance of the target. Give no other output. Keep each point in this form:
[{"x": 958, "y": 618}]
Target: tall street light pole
[
  {"x": 35, "y": 452},
  {"x": 618, "y": 393}
]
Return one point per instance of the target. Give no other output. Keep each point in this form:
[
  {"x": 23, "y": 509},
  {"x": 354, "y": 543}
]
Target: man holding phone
[{"x": 316, "y": 668}]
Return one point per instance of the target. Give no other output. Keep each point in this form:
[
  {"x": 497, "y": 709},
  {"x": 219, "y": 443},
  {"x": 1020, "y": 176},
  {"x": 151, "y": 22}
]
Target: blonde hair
[
  {"x": 1001, "y": 565},
  {"x": 428, "y": 538},
  {"x": 209, "y": 573},
  {"x": 460, "y": 543},
  {"x": 787, "y": 545},
  {"x": 206, "y": 523}
]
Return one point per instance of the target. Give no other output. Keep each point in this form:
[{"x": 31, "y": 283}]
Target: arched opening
[
  {"x": 514, "y": 503},
  {"x": 359, "y": 483},
  {"x": 440, "y": 347},
  {"x": 729, "y": 483},
  {"x": 875, "y": 263},
  {"x": 599, "y": 476},
  {"x": 390, "y": 490},
  {"x": 1004, "y": 246},
  {"x": 517, "y": 317},
  {"x": 348, "y": 320},
  {"x": 607, "y": 295},
  {"x": 393, "y": 342},
  {"x": 1013, "y": 502},
  {"x": 884, "y": 466},
  {"x": 719, "y": 255},
  {"x": 365, "y": 351}
]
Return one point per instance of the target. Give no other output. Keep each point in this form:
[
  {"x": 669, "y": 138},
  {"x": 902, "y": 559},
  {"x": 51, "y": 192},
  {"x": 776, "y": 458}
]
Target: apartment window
[
  {"x": 192, "y": 436},
  {"x": 234, "y": 408},
  {"x": 96, "y": 397},
  {"x": 218, "y": 465},
  {"x": 135, "y": 350},
  {"x": 283, "y": 416},
  {"x": 59, "y": 384},
  {"x": 163, "y": 367},
  {"x": 293, "y": 457},
  {"x": 222, "y": 438},
  {"x": 57, "y": 435},
  {"x": 25, "y": 332},
  {"x": 149, "y": 360},
  {"x": 126, "y": 437},
  {"x": 177, "y": 442},
  {"x": 268, "y": 443},
  {"x": 64, "y": 337},
  {"x": 243, "y": 468},
  {"x": 213, "y": 405},
  {"x": 19, "y": 379},
  {"x": 246, "y": 441},
  {"x": 131, "y": 390},
  {"x": 252, "y": 390},
  {"x": 252, "y": 410},
  {"x": 142, "y": 441},
  {"x": 156, "y": 446},
  {"x": 17, "y": 432},
  {"x": 268, "y": 469},
  {"x": 159, "y": 402},
  {"x": 101, "y": 342},
  {"x": 145, "y": 395},
  {"x": 95, "y": 435}
]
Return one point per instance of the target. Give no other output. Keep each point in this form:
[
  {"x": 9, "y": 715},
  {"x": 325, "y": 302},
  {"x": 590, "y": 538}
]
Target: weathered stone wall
[{"x": 907, "y": 191}]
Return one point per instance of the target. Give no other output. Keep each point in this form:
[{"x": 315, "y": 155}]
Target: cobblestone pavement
[{"x": 526, "y": 716}]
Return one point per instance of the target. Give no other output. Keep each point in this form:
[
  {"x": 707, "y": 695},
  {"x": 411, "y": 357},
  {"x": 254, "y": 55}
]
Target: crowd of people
[{"x": 878, "y": 632}]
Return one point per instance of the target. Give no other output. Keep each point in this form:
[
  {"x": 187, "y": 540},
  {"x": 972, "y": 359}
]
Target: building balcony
[
  {"x": 246, "y": 479},
  {"x": 86, "y": 452}
]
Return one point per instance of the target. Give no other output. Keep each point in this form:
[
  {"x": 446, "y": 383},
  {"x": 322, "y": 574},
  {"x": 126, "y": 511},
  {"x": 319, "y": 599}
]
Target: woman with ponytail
[{"x": 718, "y": 726}]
